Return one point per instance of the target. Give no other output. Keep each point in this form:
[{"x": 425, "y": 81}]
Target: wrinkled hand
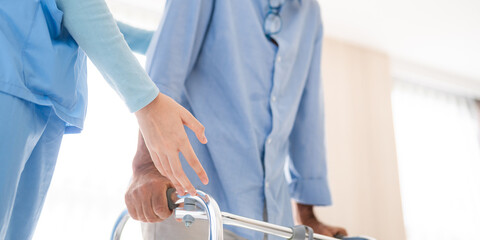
[
  {"x": 304, "y": 215},
  {"x": 162, "y": 126},
  {"x": 146, "y": 197}
]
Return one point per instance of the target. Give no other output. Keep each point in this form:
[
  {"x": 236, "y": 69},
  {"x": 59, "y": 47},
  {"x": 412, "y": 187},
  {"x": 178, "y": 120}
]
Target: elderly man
[{"x": 249, "y": 70}]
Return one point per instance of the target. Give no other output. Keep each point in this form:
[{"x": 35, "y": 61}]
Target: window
[{"x": 438, "y": 147}]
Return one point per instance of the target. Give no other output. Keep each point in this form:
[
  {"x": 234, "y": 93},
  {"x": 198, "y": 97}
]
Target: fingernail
[{"x": 205, "y": 139}]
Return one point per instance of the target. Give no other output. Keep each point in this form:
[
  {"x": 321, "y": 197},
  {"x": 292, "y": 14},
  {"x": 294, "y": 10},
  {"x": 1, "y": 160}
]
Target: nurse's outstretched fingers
[
  {"x": 158, "y": 165},
  {"x": 162, "y": 126},
  {"x": 192, "y": 159},
  {"x": 191, "y": 122},
  {"x": 179, "y": 174},
  {"x": 167, "y": 168}
]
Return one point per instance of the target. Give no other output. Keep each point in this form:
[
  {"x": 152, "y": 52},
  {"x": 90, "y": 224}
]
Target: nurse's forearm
[
  {"x": 159, "y": 117},
  {"x": 94, "y": 29},
  {"x": 137, "y": 39}
]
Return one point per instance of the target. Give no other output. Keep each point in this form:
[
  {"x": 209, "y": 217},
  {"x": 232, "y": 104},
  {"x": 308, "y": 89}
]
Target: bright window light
[
  {"x": 93, "y": 170},
  {"x": 438, "y": 148}
]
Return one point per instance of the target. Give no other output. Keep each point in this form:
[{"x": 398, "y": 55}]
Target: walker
[{"x": 204, "y": 206}]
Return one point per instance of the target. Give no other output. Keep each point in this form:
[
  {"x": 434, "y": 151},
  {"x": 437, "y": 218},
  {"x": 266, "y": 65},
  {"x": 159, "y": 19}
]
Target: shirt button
[
  {"x": 269, "y": 140},
  {"x": 274, "y": 99},
  {"x": 267, "y": 184},
  {"x": 279, "y": 59}
]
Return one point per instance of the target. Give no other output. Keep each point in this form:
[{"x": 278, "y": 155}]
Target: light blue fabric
[
  {"x": 43, "y": 93},
  {"x": 31, "y": 136},
  {"x": 94, "y": 29},
  {"x": 137, "y": 39},
  {"x": 262, "y": 106},
  {"x": 40, "y": 62}
]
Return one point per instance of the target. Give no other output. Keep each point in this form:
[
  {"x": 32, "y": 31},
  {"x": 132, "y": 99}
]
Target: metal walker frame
[{"x": 203, "y": 206}]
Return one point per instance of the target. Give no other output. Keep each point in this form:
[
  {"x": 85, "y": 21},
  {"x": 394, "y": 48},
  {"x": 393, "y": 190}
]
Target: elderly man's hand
[
  {"x": 146, "y": 197},
  {"x": 304, "y": 215}
]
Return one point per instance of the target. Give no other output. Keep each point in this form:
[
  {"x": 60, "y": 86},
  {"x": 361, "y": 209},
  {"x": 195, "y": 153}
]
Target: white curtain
[{"x": 438, "y": 147}]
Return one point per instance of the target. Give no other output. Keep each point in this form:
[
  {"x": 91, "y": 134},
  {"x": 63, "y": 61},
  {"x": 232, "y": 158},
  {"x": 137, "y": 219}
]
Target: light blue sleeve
[
  {"x": 92, "y": 26},
  {"x": 307, "y": 166},
  {"x": 137, "y": 39}
]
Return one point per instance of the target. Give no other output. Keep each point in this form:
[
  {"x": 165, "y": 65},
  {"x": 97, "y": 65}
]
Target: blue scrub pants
[{"x": 30, "y": 137}]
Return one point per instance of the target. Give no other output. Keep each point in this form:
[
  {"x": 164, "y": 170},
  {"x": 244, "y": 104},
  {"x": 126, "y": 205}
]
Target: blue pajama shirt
[{"x": 262, "y": 105}]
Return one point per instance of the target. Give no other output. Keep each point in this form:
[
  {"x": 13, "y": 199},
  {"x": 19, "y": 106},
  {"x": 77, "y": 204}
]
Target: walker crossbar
[
  {"x": 239, "y": 221},
  {"x": 205, "y": 207}
]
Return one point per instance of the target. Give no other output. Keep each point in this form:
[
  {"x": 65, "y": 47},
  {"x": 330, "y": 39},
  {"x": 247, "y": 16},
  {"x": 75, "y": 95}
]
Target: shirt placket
[{"x": 271, "y": 143}]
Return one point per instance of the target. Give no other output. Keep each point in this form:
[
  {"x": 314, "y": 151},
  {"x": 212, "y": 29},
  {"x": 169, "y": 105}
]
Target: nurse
[{"x": 43, "y": 95}]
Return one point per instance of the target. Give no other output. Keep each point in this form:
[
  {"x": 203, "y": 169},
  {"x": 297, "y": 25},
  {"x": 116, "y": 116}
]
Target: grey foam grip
[
  {"x": 300, "y": 231},
  {"x": 171, "y": 203}
]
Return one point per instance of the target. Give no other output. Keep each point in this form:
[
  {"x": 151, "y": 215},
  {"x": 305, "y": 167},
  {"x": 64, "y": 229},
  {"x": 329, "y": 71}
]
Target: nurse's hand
[
  {"x": 162, "y": 126},
  {"x": 145, "y": 198}
]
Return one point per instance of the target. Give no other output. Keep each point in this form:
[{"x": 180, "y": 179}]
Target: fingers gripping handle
[
  {"x": 171, "y": 203},
  {"x": 123, "y": 218}
]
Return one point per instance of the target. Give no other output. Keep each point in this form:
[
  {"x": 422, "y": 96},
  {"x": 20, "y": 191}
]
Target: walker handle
[{"x": 171, "y": 203}]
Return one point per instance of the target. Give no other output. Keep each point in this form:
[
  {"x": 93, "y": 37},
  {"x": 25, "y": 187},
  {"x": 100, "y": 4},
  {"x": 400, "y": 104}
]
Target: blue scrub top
[{"x": 40, "y": 62}]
